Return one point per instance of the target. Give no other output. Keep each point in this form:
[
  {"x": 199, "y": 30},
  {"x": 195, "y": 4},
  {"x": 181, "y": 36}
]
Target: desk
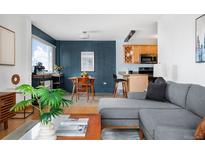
[
  {"x": 39, "y": 79},
  {"x": 75, "y": 81}
]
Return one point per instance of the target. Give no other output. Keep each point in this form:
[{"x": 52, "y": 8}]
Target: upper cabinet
[{"x": 140, "y": 54}]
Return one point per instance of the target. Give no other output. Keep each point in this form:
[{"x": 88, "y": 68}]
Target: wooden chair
[
  {"x": 124, "y": 86},
  {"x": 81, "y": 85}
]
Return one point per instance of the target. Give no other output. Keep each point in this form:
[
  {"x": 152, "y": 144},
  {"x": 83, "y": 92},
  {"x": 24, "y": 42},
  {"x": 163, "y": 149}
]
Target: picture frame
[
  {"x": 7, "y": 46},
  {"x": 200, "y": 39},
  {"x": 87, "y": 61}
]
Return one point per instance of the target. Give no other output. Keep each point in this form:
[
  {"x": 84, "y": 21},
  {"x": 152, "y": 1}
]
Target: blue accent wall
[
  {"x": 69, "y": 54},
  {"x": 38, "y": 32}
]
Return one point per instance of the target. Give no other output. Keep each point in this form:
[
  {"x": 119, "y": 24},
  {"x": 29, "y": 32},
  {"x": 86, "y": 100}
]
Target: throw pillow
[
  {"x": 156, "y": 91},
  {"x": 160, "y": 80},
  {"x": 200, "y": 130}
]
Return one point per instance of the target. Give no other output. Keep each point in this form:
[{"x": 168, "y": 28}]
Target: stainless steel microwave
[{"x": 148, "y": 59}]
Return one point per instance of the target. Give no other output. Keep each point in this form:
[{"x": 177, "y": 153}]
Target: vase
[{"x": 47, "y": 132}]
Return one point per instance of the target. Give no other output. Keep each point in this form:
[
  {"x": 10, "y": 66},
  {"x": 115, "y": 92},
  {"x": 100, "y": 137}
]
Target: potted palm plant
[{"x": 50, "y": 104}]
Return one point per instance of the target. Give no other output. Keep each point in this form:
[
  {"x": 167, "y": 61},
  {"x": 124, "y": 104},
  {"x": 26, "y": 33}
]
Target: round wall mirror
[{"x": 15, "y": 79}]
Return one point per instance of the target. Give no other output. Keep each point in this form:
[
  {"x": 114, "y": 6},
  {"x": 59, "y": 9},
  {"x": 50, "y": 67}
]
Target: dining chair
[{"x": 81, "y": 85}]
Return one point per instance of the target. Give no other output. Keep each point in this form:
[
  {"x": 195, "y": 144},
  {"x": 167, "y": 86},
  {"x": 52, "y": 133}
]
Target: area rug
[{"x": 120, "y": 134}]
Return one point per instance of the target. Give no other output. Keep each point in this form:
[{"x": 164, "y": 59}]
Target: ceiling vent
[{"x": 84, "y": 35}]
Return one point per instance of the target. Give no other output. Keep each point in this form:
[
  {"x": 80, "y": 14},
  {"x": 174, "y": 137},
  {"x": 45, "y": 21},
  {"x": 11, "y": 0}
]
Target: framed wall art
[
  {"x": 200, "y": 39},
  {"x": 7, "y": 46},
  {"x": 87, "y": 61}
]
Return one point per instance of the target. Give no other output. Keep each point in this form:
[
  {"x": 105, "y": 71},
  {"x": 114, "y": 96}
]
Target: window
[{"x": 43, "y": 52}]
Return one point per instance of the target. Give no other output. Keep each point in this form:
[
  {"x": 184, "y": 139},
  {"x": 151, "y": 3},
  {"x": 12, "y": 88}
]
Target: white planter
[{"x": 47, "y": 132}]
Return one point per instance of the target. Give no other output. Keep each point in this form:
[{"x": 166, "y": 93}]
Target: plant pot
[{"x": 47, "y": 132}]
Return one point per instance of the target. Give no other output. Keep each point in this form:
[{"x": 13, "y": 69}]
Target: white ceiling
[{"x": 108, "y": 27}]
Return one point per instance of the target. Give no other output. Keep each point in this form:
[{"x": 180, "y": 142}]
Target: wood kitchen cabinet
[{"x": 132, "y": 53}]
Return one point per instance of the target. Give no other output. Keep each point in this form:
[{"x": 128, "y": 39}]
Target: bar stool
[{"x": 124, "y": 86}]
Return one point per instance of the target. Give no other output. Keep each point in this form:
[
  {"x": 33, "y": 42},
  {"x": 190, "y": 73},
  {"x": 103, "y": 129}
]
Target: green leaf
[
  {"x": 26, "y": 89},
  {"x": 21, "y": 105},
  {"x": 47, "y": 116},
  {"x": 50, "y": 97},
  {"x": 56, "y": 111},
  {"x": 66, "y": 102}
]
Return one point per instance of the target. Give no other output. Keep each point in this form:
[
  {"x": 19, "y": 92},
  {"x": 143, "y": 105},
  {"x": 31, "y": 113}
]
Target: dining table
[{"x": 91, "y": 81}]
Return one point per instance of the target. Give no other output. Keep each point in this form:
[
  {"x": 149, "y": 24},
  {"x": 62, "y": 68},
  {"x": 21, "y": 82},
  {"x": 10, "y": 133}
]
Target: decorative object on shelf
[
  {"x": 58, "y": 69},
  {"x": 50, "y": 104},
  {"x": 7, "y": 46},
  {"x": 200, "y": 40},
  {"x": 39, "y": 68},
  {"x": 84, "y": 74},
  {"x": 15, "y": 79},
  {"x": 87, "y": 61}
]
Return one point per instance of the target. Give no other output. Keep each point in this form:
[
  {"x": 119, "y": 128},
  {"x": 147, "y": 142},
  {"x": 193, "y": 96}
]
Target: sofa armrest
[
  {"x": 136, "y": 95},
  {"x": 173, "y": 133}
]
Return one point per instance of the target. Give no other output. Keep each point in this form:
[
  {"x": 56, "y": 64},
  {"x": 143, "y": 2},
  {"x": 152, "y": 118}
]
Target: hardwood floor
[
  {"x": 12, "y": 125},
  {"x": 80, "y": 107}
]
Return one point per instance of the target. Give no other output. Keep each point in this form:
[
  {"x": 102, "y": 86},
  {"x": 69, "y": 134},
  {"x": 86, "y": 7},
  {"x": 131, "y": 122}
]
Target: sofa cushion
[
  {"x": 156, "y": 91},
  {"x": 151, "y": 119},
  {"x": 136, "y": 95},
  {"x": 177, "y": 93},
  {"x": 173, "y": 133},
  {"x": 122, "y": 108},
  {"x": 196, "y": 100},
  {"x": 120, "y": 122}
]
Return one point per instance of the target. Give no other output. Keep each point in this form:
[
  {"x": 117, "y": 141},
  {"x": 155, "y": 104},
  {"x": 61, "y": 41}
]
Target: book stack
[{"x": 72, "y": 127}]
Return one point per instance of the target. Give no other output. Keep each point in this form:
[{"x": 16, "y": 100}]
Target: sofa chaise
[{"x": 176, "y": 118}]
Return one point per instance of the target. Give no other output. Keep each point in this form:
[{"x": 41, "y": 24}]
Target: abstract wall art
[
  {"x": 200, "y": 39},
  {"x": 87, "y": 61},
  {"x": 7, "y": 46}
]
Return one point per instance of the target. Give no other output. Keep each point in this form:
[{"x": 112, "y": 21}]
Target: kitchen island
[{"x": 136, "y": 82}]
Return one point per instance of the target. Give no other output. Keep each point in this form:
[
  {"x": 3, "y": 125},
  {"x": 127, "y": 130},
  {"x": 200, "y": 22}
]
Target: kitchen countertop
[{"x": 133, "y": 74}]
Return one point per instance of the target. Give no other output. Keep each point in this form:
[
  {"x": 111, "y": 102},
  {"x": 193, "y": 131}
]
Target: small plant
[
  {"x": 58, "y": 68},
  {"x": 50, "y": 101},
  {"x": 84, "y": 74}
]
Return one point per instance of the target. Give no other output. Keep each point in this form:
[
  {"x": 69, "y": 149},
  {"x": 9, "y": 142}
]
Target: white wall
[
  {"x": 176, "y": 42},
  {"x": 22, "y": 28}
]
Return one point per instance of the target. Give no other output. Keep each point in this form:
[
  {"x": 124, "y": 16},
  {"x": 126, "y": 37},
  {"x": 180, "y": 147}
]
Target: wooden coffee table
[
  {"x": 93, "y": 130},
  {"x": 82, "y": 111}
]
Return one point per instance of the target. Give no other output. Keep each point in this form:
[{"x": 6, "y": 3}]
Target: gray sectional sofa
[{"x": 176, "y": 118}]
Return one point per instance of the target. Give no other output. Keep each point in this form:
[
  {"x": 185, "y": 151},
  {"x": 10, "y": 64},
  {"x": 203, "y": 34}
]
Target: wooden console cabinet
[{"x": 7, "y": 100}]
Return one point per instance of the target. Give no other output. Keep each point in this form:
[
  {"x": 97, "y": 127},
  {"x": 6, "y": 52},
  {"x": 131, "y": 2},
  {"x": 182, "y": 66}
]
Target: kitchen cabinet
[{"x": 132, "y": 53}]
